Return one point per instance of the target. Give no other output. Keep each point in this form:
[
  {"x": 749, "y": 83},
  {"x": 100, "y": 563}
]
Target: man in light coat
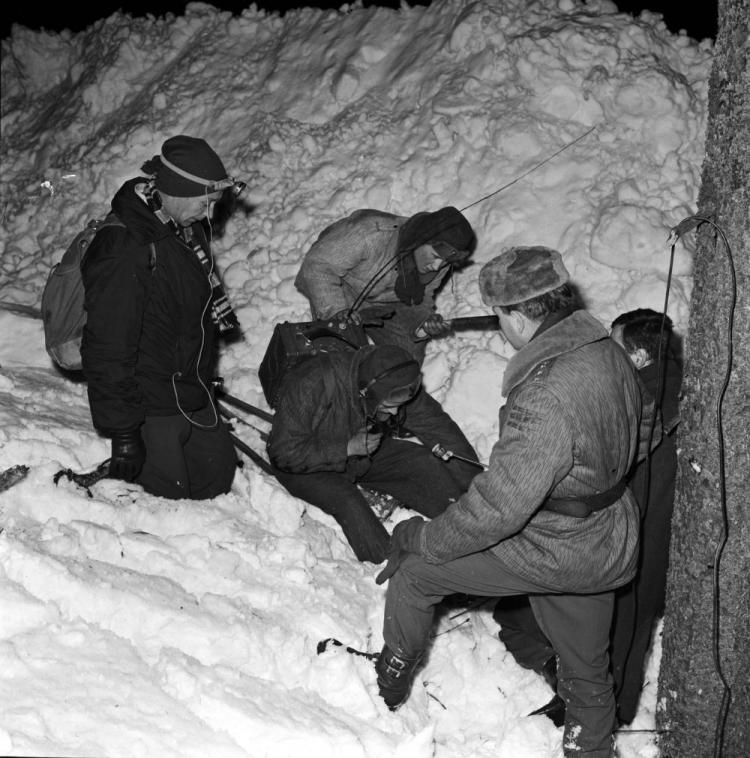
[
  {"x": 384, "y": 271},
  {"x": 551, "y": 516}
]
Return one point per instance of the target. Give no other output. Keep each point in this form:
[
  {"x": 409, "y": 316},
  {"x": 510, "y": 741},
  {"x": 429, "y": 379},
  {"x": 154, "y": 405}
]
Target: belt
[{"x": 585, "y": 505}]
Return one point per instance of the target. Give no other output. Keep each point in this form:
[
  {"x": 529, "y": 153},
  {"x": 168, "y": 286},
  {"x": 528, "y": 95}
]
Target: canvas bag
[{"x": 62, "y": 299}]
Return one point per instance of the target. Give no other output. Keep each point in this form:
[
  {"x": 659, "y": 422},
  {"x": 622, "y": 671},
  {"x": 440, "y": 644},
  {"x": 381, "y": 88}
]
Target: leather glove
[
  {"x": 404, "y": 540},
  {"x": 128, "y": 455}
]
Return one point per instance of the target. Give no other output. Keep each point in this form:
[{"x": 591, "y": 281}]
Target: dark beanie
[
  {"x": 445, "y": 225},
  {"x": 187, "y": 167},
  {"x": 388, "y": 369}
]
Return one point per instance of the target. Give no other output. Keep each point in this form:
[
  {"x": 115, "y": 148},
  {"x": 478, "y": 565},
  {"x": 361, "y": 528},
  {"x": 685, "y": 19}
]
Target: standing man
[
  {"x": 645, "y": 335},
  {"x": 341, "y": 420},
  {"x": 384, "y": 270},
  {"x": 551, "y": 515},
  {"x": 154, "y": 307}
]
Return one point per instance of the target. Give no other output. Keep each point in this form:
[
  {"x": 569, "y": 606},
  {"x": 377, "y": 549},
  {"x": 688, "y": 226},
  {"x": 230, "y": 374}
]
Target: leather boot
[{"x": 395, "y": 677}]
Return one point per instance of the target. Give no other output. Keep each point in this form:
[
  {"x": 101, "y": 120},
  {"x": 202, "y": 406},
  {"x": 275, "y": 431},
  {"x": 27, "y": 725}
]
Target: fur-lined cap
[{"x": 521, "y": 273}]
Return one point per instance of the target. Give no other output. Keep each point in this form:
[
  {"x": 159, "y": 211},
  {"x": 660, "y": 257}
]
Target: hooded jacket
[
  {"x": 570, "y": 427},
  {"x": 149, "y": 334},
  {"x": 351, "y": 253}
]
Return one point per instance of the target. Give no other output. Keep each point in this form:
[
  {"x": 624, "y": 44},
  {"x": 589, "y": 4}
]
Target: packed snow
[{"x": 138, "y": 626}]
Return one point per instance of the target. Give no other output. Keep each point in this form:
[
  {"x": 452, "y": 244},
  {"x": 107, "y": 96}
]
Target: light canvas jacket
[
  {"x": 347, "y": 255},
  {"x": 570, "y": 427}
]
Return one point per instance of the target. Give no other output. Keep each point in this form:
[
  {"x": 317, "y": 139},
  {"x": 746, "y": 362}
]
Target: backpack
[
  {"x": 62, "y": 299},
  {"x": 292, "y": 343}
]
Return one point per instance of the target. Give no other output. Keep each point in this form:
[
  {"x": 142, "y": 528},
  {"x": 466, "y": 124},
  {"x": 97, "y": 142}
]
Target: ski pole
[
  {"x": 251, "y": 454},
  {"x": 227, "y": 414}
]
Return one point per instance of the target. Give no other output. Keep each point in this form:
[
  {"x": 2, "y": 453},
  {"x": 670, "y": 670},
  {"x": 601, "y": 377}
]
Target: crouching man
[
  {"x": 362, "y": 417},
  {"x": 551, "y": 516}
]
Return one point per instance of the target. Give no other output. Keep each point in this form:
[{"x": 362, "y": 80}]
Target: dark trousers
[
  {"x": 184, "y": 460},
  {"x": 638, "y": 606},
  {"x": 406, "y": 470},
  {"x": 576, "y": 625}
]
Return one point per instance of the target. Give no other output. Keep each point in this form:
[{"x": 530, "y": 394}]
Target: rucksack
[
  {"x": 62, "y": 299},
  {"x": 291, "y": 343}
]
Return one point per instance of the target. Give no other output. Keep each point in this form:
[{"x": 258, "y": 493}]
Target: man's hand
[
  {"x": 128, "y": 455},
  {"x": 364, "y": 443},
  {"x": 404, "y": 540},
  {"x": 435, "y": 326},
  {"x": 344, "y": 317}
]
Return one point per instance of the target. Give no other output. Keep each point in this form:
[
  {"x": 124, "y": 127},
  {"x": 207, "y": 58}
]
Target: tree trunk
[{"x": 704, "y": 679}]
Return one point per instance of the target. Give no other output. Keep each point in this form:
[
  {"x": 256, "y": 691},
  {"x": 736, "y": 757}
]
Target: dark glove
[
  {"x": 404, "y": 540},
  {"x": 128, "y": 455}
]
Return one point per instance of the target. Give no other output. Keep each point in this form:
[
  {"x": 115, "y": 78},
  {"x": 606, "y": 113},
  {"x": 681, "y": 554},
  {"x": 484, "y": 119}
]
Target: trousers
[
  {"x": 576, "y": 625},
  {"x": 187, "y": 460}
]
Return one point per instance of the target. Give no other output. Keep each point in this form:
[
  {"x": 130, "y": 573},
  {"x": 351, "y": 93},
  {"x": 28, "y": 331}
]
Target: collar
[{"x": 578, "y": 329}]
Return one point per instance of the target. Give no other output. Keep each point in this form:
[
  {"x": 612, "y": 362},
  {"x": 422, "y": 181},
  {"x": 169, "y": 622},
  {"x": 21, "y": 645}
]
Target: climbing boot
[{"x": 395, "y": 677}]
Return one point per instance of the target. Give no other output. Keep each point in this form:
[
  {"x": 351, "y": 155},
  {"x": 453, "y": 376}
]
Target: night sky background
[{"x": 697, "y": 18}]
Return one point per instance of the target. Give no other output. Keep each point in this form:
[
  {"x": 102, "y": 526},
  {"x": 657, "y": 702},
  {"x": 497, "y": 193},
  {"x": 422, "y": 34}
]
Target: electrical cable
[{"x": 178, "y": 374}]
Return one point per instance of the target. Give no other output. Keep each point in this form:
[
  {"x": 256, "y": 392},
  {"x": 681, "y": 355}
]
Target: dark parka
[
  {"x": 320, "y": 409},
  {"x": 148, "y": 323}
]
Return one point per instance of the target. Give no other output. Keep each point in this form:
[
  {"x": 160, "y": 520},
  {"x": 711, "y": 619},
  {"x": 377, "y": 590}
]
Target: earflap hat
[
  {"x": 447, "y": 226},
  {"x": 188, "y": 167},
  {"x": 388, "y": 371},
  {"x": 521, "y": 273}
]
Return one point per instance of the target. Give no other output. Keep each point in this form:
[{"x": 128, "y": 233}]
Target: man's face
[
  {"x": 187, "y": 210},
  {"x": 508, "y": 327},
  {"x": 427, "y": 259},
  {"x": 389, "y": 406}
]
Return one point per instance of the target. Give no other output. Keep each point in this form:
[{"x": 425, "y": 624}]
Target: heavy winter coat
[
  {"x": 570, "y": 427},
  {"x": 149, "y": 334},
  {"x": 320, "y": 410},
  {"x": 349, "y": 255}
]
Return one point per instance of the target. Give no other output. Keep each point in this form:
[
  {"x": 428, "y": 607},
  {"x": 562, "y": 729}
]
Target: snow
[{"x": 138, "y": 626}]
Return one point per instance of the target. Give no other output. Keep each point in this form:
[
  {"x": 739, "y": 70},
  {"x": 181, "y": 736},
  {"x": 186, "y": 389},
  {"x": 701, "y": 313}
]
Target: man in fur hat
[
  {"x": 340, "y": 421},
  {"x": 552, "y": 516},
  {"x": 384, "y": 270},
  {"x": 154, "y": 308}
]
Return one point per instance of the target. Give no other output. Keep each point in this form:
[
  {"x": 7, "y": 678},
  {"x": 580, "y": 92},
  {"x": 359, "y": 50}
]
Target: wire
[{"x": 532, "y": 169}]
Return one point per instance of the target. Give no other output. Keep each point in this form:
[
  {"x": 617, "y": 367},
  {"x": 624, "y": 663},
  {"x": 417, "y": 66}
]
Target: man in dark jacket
[
  {"x": 154, "y": 306},
  {"x": 361, "y": 417},
  {"x": 646, "y": 337},
  {"x": 551, "y": 515},
  {"x": 384, "y": 271}
]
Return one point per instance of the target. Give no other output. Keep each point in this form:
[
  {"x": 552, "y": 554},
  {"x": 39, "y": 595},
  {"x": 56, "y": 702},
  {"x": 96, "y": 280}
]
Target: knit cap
[
  {"x": 387, "y": 371},
  {"x": 188, "y": 167},
  {"x": 521, "y": 273}
]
